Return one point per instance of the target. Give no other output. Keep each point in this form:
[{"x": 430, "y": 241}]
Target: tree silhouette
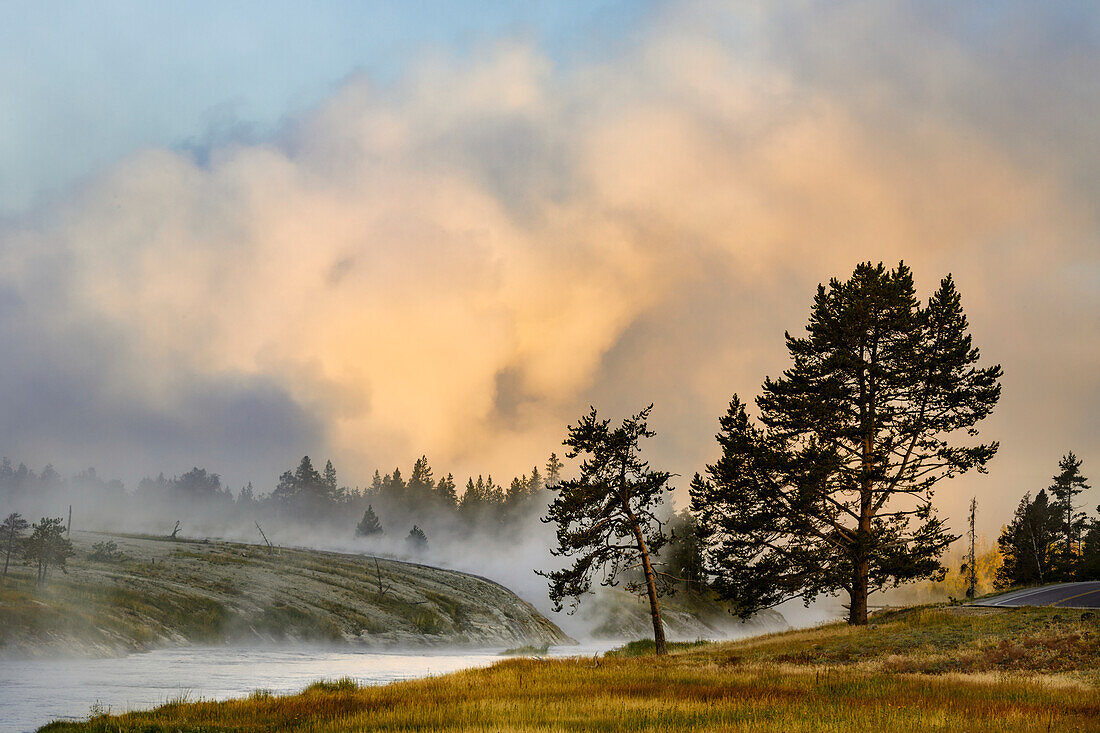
[
  {"x": 834, "y": 493},
  {"x": 1028, "y": 543},
  {"x": 48, "y": 547},
  {"x": 1068, "y": 483},
  {"x": 369, "y": 526},
  {"x": 605, "y": 518},
  {"x": 417, "y": 541}
]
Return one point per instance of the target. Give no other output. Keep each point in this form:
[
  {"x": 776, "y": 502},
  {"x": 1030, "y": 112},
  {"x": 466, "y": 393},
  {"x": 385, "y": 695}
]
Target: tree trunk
[
  {"x": 647, "y": 567},
  {"x": 651, "y": 590},
  {"x": 861, "y": 567},
  {"x": 857, "y": 609},
  {"x": 861, "y": 564},
  {"x": 857, "y": 606}
]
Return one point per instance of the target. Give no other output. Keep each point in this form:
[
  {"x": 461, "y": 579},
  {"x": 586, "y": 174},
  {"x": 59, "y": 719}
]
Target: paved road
[{"x": 1062, "y": 595}]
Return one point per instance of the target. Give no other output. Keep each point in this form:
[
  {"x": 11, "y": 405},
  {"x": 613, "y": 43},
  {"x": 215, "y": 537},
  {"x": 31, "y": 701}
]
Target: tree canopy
[
  {"x": 605, "y": 517},
  {"x": 833, "y": 492},
  {"x": 48, "y": 546}
]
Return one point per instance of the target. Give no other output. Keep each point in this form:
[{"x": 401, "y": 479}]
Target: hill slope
[{"x": 163, "y": 592}]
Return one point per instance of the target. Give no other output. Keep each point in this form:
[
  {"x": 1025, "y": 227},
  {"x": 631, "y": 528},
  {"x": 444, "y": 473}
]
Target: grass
[
  {"x": 932, "y": 640},
  {"x": 1019, "y": 669}
]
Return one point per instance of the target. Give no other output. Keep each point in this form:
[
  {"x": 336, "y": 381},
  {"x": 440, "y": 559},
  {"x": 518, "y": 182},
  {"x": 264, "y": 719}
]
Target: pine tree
[
  {"x": 1067, "y": 484},
  {"x": 197, "y": 485},
  {"x": 421, "y": 483},
  {"x": 328, "y": 480},
  {"x": 517, "y": 491},
  {"x": 1029, "y": 543},
  {"x": 534, "y": 484},
  {"x": 417, "y": 541},
  {"x": 369, "y": 526},
  {"x": 305, "y": 493},
  {"x": 11, "y": 534},
  {"x": 553, "y": 470},
  {"x": 286, "y": 491},
  {"x": 393, "y": 489},
  {"x": 493, "y": 493},
  {"x": 306, "y": 474},
  {"x": 472, "y": 500},
  {"x": 445, "y": 492},
  {"x": 48, "y": 547},
  {"x": 247, "y": 496},
  {"x": 834, "y": 493},
  {"x": 376, "y": 485},
  {"x": 605, "y": 518}
]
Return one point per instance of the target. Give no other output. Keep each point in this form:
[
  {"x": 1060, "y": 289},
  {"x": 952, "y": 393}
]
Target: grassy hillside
[
  {"x": 915, "y": 670},
  {"x": 158, "y": 591}
]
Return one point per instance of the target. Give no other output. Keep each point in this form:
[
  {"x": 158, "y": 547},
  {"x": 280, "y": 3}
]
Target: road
[{"x": 1063, "y": 595}]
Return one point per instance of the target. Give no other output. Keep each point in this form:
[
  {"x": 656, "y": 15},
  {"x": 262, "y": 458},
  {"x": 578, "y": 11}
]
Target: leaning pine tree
[
  {"x": 833, "y": 493},
  {"x": 605, "y": 518}
]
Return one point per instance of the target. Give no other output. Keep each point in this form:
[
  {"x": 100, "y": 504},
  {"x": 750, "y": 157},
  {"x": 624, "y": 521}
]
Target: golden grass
[
  {"x": 934, "y": 640},
  {"x": 833, "y": 678},
  {"x": 673, "y": 694}
]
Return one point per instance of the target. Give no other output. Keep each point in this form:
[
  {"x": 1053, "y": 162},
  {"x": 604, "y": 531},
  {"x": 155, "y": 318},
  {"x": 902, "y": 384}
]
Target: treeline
[
  {"x": 304, "y": 496},
  {"x": 1049, "y": 539}
]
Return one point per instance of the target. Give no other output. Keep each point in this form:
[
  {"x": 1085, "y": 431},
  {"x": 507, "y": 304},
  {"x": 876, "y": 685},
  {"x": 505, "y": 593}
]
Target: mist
[{"x": 492, "y": 531}]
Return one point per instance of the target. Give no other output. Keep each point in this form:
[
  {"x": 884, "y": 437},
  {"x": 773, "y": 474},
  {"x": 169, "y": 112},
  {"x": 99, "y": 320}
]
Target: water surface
[{"x": 34, "y": 692}]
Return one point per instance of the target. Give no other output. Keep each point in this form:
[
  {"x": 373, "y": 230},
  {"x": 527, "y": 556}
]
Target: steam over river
[{"x": 34, "y": 692}]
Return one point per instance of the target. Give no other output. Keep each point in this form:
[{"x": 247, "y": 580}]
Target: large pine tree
[{"x": 834, "y": 492}]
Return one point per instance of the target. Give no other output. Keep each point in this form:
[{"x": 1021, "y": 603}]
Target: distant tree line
[{"x": 390, "y": 506}]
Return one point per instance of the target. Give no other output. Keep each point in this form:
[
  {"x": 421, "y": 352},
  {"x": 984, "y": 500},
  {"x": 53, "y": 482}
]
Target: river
[{"x": 35, "y": 691}]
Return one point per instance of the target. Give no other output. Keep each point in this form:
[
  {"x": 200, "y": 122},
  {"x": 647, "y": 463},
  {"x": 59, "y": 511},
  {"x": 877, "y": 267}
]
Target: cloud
[{"x": 459, "y": 262}]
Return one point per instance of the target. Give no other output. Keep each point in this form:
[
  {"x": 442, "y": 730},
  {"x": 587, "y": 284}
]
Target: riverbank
[
  {"x": 910, "y": 670},
  {"x": 155, "y": 592}
]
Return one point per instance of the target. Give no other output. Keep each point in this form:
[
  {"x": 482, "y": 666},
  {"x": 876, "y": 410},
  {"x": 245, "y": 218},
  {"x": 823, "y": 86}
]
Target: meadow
[{"x": 920, "y": 669}]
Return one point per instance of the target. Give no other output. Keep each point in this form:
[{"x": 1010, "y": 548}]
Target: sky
[{"x": 235, "y": 233}]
